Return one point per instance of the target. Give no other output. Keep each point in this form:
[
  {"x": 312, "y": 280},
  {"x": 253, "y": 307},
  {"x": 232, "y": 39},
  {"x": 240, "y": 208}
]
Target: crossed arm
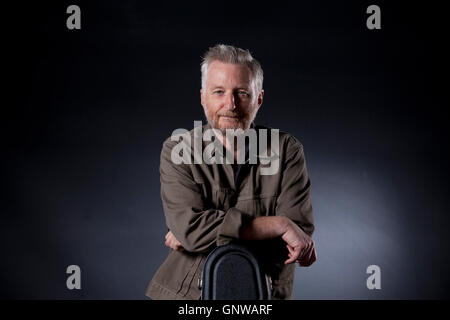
[{"x": 300, "y": 245}]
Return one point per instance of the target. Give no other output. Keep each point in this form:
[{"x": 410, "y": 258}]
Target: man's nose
[{"x": 230, "y": 102}]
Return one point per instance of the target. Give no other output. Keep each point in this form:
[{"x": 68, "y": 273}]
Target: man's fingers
[
  {"x": 290, "y": 249},
  {"x": 308, "y": 258},
  {"x": 172, "y": 242},
  {"x": 293, "y": 254},
  {"x": 170, "y": 238},
  {"x": 305, "y": 251},
  {"x": 305, "y": 261}
]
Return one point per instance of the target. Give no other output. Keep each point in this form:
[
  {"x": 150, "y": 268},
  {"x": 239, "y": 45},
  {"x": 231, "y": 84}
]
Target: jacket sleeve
[
  {"x": 294, "y": 198},
  {"x": 189, "y": 216}
]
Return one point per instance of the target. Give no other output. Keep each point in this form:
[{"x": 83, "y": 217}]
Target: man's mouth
[{"x": 230, "y": 117}]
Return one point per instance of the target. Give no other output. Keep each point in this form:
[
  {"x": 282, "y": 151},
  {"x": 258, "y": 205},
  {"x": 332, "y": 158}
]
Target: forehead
[{"x": 228, "y": 74}]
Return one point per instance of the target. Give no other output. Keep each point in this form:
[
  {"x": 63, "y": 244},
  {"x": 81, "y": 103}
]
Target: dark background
[{"x": 85, "y": 112}]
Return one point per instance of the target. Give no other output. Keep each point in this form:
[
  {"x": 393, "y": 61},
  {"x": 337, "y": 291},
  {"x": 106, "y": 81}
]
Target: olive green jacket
[{"x": 204, "y": 209}]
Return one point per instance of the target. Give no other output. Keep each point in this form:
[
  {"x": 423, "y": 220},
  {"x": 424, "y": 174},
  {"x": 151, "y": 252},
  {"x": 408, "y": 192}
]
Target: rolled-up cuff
[{"x": 234, "y": 220}]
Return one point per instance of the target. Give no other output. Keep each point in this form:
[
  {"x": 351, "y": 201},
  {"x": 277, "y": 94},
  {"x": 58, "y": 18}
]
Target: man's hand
[
  {"x": 172, "y": 242},
  {"x": 300, "y": 245}
]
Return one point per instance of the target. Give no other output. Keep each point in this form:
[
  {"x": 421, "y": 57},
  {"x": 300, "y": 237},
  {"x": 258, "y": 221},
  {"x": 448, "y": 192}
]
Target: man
[{"x": 208, "y": 205}]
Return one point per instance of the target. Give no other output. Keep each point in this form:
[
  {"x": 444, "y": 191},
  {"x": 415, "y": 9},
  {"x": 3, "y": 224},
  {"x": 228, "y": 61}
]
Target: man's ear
[
  {"x": 202, "y": 99},
  {"x": 260, "y": 98}
]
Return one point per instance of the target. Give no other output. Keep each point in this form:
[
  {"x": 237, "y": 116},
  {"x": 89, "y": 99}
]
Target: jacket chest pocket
[
  {"x": 260, "y": 205},
  {"x": 256, "y": 205}
]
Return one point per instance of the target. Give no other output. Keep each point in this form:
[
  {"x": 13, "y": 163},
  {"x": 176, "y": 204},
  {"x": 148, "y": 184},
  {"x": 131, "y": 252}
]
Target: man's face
[{"x": 228, "y": 97}]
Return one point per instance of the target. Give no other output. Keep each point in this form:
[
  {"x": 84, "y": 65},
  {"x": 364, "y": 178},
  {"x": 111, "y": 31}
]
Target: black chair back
[{"x": 233, "y": 272}]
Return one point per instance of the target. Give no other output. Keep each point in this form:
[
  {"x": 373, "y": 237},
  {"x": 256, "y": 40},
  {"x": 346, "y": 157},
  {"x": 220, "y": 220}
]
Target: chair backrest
[{"x": 233, "y": 272}]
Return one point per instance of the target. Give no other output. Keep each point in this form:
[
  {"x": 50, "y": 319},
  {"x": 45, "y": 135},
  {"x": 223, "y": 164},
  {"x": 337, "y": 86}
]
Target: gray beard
[{"x": 223, "y": 131}]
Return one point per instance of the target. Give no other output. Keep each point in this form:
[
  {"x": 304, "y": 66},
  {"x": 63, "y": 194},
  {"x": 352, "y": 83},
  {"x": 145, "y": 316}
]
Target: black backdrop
[{"x": 84, "y": 114}]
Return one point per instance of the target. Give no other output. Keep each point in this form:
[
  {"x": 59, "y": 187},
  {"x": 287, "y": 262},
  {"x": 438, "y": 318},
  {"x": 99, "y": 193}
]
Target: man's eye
[
  {"x": 243, "y": 93},
  {"x": 218, "y": 92}
]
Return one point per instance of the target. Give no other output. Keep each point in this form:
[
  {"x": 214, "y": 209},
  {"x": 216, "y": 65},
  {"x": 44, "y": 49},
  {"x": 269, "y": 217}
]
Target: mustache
[{"x": 228, "y": 114}]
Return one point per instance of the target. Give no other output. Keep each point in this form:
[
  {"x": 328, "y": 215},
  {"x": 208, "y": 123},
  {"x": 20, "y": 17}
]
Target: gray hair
[{"x": 231, "y": 54}]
